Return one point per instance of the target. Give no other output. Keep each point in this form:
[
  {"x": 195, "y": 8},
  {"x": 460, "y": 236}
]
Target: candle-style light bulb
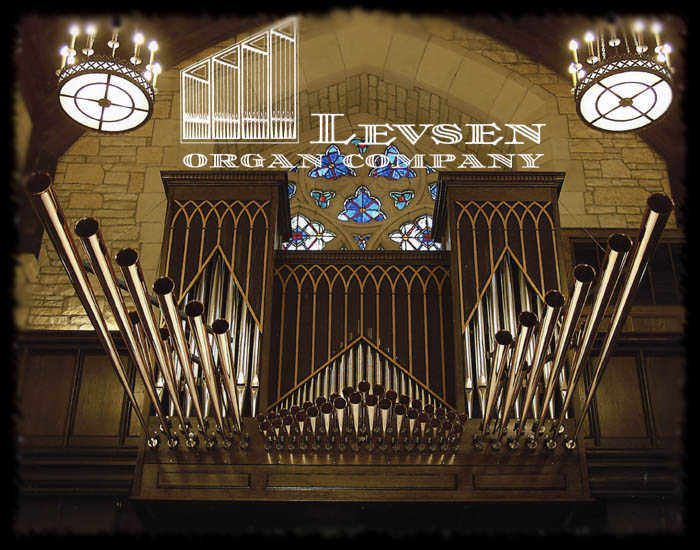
[
  {"x": 656, "y": 29},
  {"x": 65, "y": 52},
  {"x": 573, "y": 46},
  {"x": 572, "y": 72},
  {"x": 614, "y": 40},
  {"x": 639, "y": 37},
  {"x": 589, "y": 38},
  {"x": 138, "y": 40},
  {"x": 153, "y": 47},
  {"x": 156, "y": 69},
  {"x": 90, "y": 31},
  {"x": 666, "y": 50},
  {"x": 74, "y": 32}
]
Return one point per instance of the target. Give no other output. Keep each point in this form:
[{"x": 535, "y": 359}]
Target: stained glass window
[
  {"x": 361, "y": 147},
  {"x": 332, "y": 166},
  {"x": 307, "y": 234},
  {"x": 433, "y": 188},
  {"x": 322, "y": 198},
  {"x": 291, "y": 188},
  {"x": 416, "y": 235},
  {"x": 362, "y": 240},
  {"x": 362, "y": 208},
  {"x": 401, "y": 198},
  {"x": 397, "y": 168}
]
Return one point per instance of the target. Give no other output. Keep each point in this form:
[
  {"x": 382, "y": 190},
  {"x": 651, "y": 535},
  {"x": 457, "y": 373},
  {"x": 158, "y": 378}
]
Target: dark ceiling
[{"x": 542, "y": 38}]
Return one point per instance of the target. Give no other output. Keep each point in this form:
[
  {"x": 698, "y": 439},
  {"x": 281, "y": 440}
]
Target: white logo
[{"x": 246, "y": 93}]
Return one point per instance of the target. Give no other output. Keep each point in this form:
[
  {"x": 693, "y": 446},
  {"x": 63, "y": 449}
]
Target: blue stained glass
[
  {"x": 361, "y": 147},
  {"x": 362, "y": 240},
  {"x": 307, "y": 234},
  {"x": 398, "y": 167},
  {"x": 433, "y": 188},
  {"x": 362, "y": 208},
  {"x": 401, "y": 198},
  {"x": 295, "y": 167},
  {"x": 416, "y": 235},
  {"x": 332, "y": 166},
  {"x": 429, "y": 169},
  {"x": 291, "y": 188},
  {"x": 322, "y": 198}
]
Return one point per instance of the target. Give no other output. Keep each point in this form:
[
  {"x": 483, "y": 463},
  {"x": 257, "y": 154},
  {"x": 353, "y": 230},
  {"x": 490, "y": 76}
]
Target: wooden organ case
[{"x": 310, "y": 324}]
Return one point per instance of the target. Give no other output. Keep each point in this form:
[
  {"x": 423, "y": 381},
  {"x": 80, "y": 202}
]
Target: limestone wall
[{"x": 372, "y": 66}]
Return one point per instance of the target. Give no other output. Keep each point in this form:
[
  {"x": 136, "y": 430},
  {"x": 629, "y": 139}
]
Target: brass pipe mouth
[
  {"x": 220, "y": 326},
  {"x": 339, "y": 403},
  {"x": 554, "y": 298},
  {"x": 194, "y": 308},
  {"x": 163, "y": 286},
  {"x": 86, "y": 227},
  {"x": 619, "y": 242},
  {"x": 584, "y": 273},
  {"x": 660, "y": 203},
  {"x": 527, "y": 319},
  {"x": 504, "y": 338},
  {"x": 38, "y": 182},
  {"x": 126, "y": 257}
]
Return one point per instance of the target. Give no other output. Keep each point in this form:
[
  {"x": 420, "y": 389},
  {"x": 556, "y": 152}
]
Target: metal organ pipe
[
  {"x": 128, "y": 261},
  {"x": 47, "y": 208},
  {"x": 659, "y": 208},
  {"x": 526, "y": 326},
  {"x": 616, "y": 255},
  {"x": 163, "y": 289},
  {"x": 88, "y": 230},
  {"x": 583, "y": 278},
  {"x": 194, "y": 311},
  {"x": 554, "y": 301}
]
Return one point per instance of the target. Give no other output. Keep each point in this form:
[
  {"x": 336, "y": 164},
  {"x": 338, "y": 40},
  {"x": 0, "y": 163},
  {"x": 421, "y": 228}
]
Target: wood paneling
[
  {"x": 44, "y": 403},
  {"x": 666, "y": 378},
  {"x": 619, "y": 403},
  {"x": 99, "y": 403}
]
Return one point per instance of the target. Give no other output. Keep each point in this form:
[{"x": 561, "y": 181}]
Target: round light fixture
[
  {"x": 624, "y": 94},
  {"x": 102, "y": 92},
  {"x": 629, "y": 86},
  {"x": 105, "y": 95}
]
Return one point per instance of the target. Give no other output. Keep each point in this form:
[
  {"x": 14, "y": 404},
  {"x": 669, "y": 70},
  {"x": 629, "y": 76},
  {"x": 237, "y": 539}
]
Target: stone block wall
[{"x": 395, "y": 69}]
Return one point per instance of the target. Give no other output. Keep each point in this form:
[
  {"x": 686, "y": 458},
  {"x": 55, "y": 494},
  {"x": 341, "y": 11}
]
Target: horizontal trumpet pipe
[
  {"x": 45, "y": 204},
  {"x": 583, "y": 277},
  {"x": 88, "y": 230},
  {"x": 527, "y": 322},
  {"x": 194, "y": 311},
  {"x": 163, "y": 289},
  {"x": 128, "y": 261},
  {"x": 617, "y": 251},
  {"x": 659, "y": 208},
  {"x": 223, "y": 337},
  {"x": 554, "y": 302}
]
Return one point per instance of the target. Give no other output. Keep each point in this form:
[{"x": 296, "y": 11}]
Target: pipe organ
[{"x": 273, "y": 375}]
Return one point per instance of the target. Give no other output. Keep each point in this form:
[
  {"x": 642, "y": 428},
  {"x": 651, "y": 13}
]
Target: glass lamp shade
[
  {"x": 105, "y": 94},
  {"x": 624, "y": 94}
]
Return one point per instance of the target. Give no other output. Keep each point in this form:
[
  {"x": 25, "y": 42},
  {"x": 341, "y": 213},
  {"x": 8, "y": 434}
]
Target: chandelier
[
  {"x": 101, "y": 91},
  {"x": 628, "y": 84}
]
